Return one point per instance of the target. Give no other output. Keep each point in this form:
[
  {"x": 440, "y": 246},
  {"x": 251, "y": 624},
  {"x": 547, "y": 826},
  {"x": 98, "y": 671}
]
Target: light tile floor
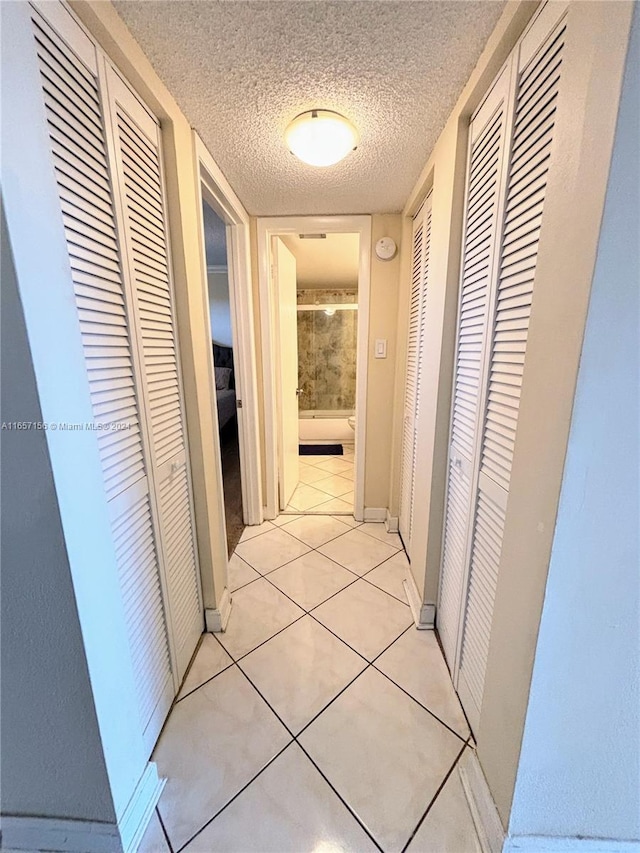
[
  {"x": 321, "y": 720},
  {"x": 326, "y": 484}
]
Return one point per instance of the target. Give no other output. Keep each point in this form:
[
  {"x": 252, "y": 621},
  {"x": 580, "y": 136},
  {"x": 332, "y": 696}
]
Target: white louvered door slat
[
  {"x": 139, "y": 169},
  {"x": 415, "y": 348},
  {"x": 483, "y": 210},
  {"x": 536, "y": 98},
  {"x": 78, "y": 146}
]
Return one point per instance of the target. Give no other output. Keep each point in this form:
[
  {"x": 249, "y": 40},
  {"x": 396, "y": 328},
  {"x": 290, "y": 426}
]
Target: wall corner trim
[
  {"x": 566, "y": 844},
  {"x": 483, "y": 809},
  {"x": 133, "y": 823},
  {"x": 26, "y": 834},
  {"x": 391, "y": 522},
  {"x": 375, "y": 513},
  {"x": 216, "y": 620},
  {"x": 424, "y": 615}
]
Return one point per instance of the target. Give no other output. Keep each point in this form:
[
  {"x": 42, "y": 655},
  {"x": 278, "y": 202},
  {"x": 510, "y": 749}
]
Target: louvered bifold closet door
[
  {"x": 78, "y": 144},
  {"x": 415, "y": 347},
  {"x": 483, "y": 207},
  {"x": 539, "y": 67},
  {"x": 139, "y": 168}
]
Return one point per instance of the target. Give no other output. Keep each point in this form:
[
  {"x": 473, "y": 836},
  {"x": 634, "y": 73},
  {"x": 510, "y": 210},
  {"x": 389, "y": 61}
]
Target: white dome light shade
[{"x": 321, "y": 137}]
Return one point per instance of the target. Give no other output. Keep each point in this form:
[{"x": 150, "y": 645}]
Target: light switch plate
[{"x": 381, "y": 348}]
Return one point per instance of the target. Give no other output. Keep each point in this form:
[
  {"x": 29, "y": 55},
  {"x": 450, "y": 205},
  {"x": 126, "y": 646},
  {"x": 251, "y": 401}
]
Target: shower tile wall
[
  {"x": 315, "y": 296},
  {"x": 327, "y": 353}
]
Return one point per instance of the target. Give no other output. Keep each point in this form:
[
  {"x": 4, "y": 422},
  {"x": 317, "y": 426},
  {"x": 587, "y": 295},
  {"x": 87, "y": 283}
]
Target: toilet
[{"x": 352, "y": 422}]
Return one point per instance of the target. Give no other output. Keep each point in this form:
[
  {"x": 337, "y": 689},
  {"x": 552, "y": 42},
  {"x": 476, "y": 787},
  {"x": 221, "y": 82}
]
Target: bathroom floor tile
[
  {"x": 311, "y": 579},
  {"x": 210, "y": 659},
  {"x": 307, "y": 497},
  {"x": 239, "y": 573},
  {"x": 358, "y": 551},
  {"x": 415, "y": 662},
  {"x": 300, "y": 670},
  {"x": 335, "y": 465},
  {"x": 258, "y": 612},
  {"x": 317, "y": 530},
  {"x": 214, "y": 742},
  {"x": 336, "y": 505},
  {"x": 335, "y": 485},
  {"x": 390, "y": 575},
  {"x": 314, "y": 460},
  {"x": 364, "y": 617},
  {"x": 255, "y": 530},
  {"x": 271, "y": 550},
  {"x": 448, "y": 826},
  {"x": 289, "y": 808},
  {"x": 390, "y": 786},
  {"x": 309, "y": 474}
]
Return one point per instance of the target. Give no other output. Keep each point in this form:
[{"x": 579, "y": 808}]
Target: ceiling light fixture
[{"x": 321, "y": 137}]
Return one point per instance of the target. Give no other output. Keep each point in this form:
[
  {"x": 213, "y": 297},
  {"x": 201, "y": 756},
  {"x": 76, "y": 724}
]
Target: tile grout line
[
  {"x": 300, "y": 746},
  {"x": 224, "y": 669},
  {"x": 338, "y": 637},
  {"x": 435, "y": 796},
  {"x": 369, "y": 664},
  {"x": 235, "y": 796},
  {"x": 294, "y": 739},
  {"x": 342, "y": 800},
  {"x": 163, "y": 828},
  {"x": 317, "y": 548},
  {"x": 355, "y": 651}
]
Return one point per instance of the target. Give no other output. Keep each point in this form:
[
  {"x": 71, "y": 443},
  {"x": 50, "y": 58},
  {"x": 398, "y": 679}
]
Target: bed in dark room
[{"x": 225, "y": 384}]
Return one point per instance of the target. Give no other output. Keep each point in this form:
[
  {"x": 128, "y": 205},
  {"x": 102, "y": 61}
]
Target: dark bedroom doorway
[{"x": 224, "y": 370}]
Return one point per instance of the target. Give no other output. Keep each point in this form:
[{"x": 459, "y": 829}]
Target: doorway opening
[
  {"x": 225, "y": 303},
  {"x": 224, "y": 357},
  {"x": 315, "y": 354}
]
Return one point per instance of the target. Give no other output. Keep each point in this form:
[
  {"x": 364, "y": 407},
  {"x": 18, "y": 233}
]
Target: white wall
[
  {"x": 219, "y": 307},
  {"x": 579, "y": 772},
  {"x": 52, "y": 761}
]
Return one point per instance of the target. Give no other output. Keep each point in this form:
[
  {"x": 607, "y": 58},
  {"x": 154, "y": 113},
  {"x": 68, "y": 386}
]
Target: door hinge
[{"x": 238, "y": 404}]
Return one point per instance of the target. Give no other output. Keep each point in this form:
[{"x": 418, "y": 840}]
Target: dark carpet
[{"x": 232, "y": 485}]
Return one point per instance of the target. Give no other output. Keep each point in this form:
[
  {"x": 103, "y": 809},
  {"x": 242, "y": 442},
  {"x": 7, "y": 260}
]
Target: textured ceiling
[
  {"x": 331, "y": 262},
  {"x": 241, "y": 71}
]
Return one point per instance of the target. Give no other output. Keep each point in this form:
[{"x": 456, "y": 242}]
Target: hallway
[{"x": 321, "y": 720}]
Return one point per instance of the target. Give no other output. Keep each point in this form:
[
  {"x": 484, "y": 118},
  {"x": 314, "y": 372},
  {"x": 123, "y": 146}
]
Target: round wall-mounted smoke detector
[{"x": 386, "y": 248}]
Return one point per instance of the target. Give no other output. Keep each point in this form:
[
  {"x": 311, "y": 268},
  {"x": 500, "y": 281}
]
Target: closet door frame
[
  {"x": 508, "y": 84},
  {"x": 110, "y": 82},
  {"x": 63, "y": 390},
  {"x": 422, "y": 218},
  {"x": 215, "y": 189}
]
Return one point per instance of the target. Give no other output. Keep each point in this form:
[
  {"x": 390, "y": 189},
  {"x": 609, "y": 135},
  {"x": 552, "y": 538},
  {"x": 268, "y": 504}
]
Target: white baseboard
[
  {"x": 216, "y": 620},
  {"x": 483, "y": 809},
  {"x": 375, "y": 513},
  {"x": 42, "y": 835},
  {"x": 424, "y": 615},
  {"x": 558, "y": 844},
  {"x": 136, "y": 817},
  {"x": 392, "y": 522}
]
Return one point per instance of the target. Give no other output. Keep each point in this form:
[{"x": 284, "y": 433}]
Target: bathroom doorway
[{"x": 315, "y": 354}]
